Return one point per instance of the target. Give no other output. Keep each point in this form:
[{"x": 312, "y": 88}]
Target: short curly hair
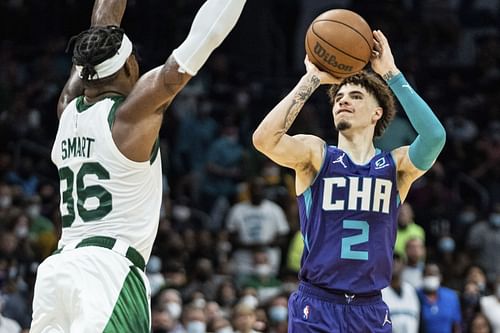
[{"x": 374, "y": 84}]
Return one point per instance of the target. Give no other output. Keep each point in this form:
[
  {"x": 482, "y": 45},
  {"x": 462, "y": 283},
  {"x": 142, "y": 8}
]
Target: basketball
[{"x": 339, "y": 42}]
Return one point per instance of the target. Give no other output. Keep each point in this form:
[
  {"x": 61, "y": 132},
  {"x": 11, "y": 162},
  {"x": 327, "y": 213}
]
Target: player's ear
[
  {"x": 131, "y": 67},
  {"x": 378, "y": 112}
]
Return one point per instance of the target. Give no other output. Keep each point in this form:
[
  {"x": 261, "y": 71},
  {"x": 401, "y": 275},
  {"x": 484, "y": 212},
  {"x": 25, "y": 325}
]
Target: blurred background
[{"x": 228, "y": 248}]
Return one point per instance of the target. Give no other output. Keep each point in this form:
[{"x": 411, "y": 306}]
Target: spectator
[
  {"x": 415, "y": 256},
  {"x": 263, "y": 280},
  {"x": 407, "y": 229},
  {"x": 222, "y": 174},
  {"x": 169, "y": 309},
  {"x": 257, "y": 223},
  {"x": 480, "y": 324},
  {"x": 278, "y": 314},
  {"x": 194, "y": 319},
  {"x": 244, "y": 319},
  {"x": 402, "y": 300},
  {"x": 484, "y": 240},
  {"x": 490, "y": 307},
  {"x": 7, "y": 325},
  {"x": 440, "y": 306}
]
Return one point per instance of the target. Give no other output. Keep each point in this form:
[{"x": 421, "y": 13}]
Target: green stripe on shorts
[{"x": 131, "y": 311}]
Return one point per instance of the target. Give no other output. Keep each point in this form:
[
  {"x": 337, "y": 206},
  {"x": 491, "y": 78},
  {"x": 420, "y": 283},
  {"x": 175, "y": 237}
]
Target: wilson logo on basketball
[{"x": 330, "y": 59}]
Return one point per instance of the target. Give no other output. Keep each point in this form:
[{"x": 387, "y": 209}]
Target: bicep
[
  {"x": 154, "y": 91},
  {"x": 296, "y": 151}
]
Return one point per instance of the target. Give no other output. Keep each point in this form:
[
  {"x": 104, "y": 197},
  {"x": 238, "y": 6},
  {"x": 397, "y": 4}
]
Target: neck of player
[{"x": 359, "y": 146}]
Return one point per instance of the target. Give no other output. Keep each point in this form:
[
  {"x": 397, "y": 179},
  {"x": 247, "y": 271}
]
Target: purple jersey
[{"x": 348, "y": 218}]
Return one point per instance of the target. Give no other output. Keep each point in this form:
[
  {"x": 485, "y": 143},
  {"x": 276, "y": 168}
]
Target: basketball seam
[
  {"x": 320, "y": 64},
  {"x": 312, "y": 28}
]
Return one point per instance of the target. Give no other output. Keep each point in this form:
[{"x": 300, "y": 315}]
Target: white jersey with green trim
[{"x": 103, "y": 193}]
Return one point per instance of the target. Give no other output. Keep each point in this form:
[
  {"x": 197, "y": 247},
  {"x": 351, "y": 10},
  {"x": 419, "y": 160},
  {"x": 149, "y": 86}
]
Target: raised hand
[
  {"x": 382, "y": 60},
  {"x": 324, "y": 77}
]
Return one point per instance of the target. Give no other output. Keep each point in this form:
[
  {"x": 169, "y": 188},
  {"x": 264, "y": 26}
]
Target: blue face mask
[
  {"x": 278, "y": 313},
  {"x": 495, "y": 219},
  {"x": 196, "y": 326},
  {"x": 446, "y": 245}
]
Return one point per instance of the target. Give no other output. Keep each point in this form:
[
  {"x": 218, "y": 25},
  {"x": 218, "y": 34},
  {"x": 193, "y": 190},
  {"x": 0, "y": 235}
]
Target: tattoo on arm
[
  {"x": 388, "y": 76},
  {"x": 304, "y": 92}
]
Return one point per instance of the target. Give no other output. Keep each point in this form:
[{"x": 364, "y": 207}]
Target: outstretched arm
[
  {"x": 105, "y": 12},
  {"x": 303, "y": 153},
  {"x": 415, "y": 160},
  {"x": 139, "y": 117}
]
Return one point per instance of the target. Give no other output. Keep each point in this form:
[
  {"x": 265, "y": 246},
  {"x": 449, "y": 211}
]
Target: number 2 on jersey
[
  {"x": 83, "y": 193},
  {"x": 347, "y": 242}
]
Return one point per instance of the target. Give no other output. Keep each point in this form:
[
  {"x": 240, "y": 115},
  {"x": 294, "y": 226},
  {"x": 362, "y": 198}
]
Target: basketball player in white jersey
[{"x": 106, "y": 152}]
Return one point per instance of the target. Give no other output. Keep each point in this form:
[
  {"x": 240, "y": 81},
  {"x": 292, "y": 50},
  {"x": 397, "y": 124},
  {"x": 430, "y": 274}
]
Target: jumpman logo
[
  {"x": 386, "y": 319},
  {"x": 340, "y": 160}
]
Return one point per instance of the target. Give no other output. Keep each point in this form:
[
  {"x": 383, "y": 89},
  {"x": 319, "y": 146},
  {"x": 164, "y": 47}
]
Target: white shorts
[{"x": 90, "y": 289}]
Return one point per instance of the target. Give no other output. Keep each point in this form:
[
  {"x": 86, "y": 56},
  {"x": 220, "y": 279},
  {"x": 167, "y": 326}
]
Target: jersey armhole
[
  {"x": 325, "y": 150},
  {"x": 398, "y": 198}
]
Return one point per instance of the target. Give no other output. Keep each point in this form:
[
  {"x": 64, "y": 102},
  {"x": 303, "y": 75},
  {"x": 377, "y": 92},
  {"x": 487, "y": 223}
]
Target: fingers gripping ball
[{"x": 339, "y": 42}]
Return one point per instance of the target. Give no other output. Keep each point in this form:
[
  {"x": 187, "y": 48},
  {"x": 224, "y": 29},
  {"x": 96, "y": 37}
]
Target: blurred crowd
[{"x": 228, "y": 247}]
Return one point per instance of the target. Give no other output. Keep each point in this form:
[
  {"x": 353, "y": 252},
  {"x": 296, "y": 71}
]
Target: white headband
[{"x": 112, "y": 65}]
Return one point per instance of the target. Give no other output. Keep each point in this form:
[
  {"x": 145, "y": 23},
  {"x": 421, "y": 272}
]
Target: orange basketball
[{"x": 339, "y": 42}]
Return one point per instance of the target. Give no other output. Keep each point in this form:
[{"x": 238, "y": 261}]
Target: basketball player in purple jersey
[{"x": 349, "y": 195}]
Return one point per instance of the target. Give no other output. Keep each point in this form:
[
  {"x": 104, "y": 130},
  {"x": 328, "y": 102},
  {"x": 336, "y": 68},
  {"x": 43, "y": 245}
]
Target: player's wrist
[{"x": 389, "y": 74}]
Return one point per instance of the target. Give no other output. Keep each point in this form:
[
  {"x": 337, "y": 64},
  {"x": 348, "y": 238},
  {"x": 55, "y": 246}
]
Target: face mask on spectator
[
  {"x": 196, "y": 326},
  {"x": 278, "y": 313},
  {"x": 431, "y": 283},
  {"x": 495, "y": 219},
  {"x": 174, "y": 309},
  {"x": 446, "y": 245},
  {"x": 467, "y": 217},
  {"x": 263, "y": 270},
  {"x": 22, "y": 231},
  {"x": 33, "y": 211},
  {"x": 250, "y": 301},
  {"x": 226, "y": 329},
  {"x": 5, "y": 201},
  {"x": 471, "y": 299}
]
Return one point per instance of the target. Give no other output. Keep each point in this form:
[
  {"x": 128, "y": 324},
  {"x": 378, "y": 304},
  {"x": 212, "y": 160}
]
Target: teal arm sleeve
[{"x": 431, "y": 134}]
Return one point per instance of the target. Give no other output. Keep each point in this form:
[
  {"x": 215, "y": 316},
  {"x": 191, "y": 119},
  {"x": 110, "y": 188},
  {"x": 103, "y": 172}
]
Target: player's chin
[{"x": 343, "y": 125}]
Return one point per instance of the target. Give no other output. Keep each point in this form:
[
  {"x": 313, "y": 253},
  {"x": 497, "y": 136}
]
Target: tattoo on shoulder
[
  {"x": 173, "y": 77},
  {"x": 387, "y": 76},
  {"x": 304, "y": 92}
]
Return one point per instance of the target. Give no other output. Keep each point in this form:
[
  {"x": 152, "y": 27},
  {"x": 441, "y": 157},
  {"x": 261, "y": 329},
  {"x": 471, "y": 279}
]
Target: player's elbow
[
  {"x": 259, "y": 140},
  {"x": 438, "y": 136},
  {"x": 262, "y": 141}
]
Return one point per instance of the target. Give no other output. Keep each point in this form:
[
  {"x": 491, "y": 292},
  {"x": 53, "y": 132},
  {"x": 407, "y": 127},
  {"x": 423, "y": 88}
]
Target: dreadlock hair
[
  {"x": 374, "y": 84},
  {"x": 94, "y": 46}
]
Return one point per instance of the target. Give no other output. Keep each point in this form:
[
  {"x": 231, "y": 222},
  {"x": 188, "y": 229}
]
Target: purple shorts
[{"x": 315, "y": 310}]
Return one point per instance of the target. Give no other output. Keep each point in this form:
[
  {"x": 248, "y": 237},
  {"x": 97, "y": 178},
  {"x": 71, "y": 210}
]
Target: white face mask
[
  {"x": 174, "y": 309},
  {"x": 22, "y": 231},
  {"x": 431, "y": 283},
  {"x": 227, "y": 329},
  {"x": 263, "y": 270},
  {"x": 250, "y": 301},
  {"x": 196, "y": 326}
]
